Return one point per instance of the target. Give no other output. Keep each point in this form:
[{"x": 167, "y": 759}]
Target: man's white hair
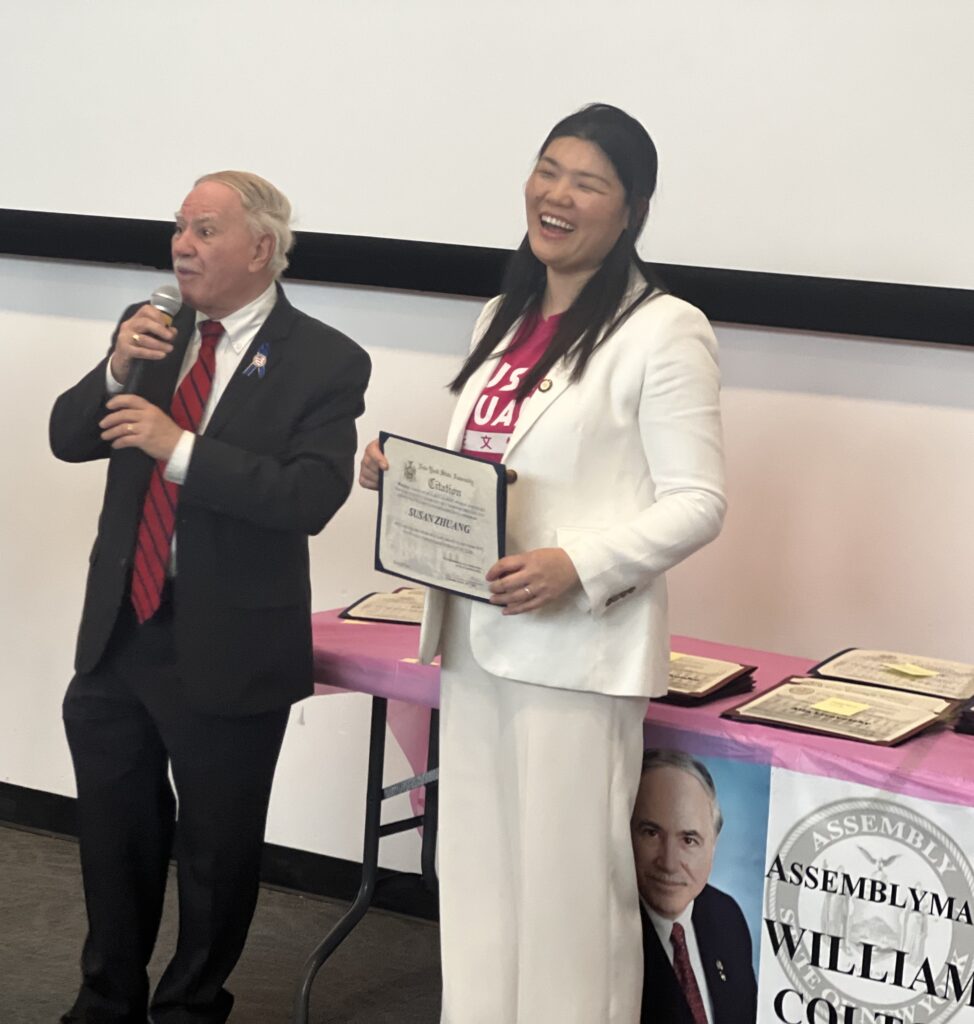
[{"x": 268, "y": 211}]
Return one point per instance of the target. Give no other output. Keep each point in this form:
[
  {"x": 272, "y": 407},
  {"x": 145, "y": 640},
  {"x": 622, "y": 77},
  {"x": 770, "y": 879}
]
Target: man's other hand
[{"x": 133, "y": 422}]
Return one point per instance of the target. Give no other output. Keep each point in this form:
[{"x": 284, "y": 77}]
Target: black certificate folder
[{"x": 441, "y": 516}]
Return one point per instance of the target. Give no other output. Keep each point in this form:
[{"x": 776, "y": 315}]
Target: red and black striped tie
[{"x": 159, "y": 510}]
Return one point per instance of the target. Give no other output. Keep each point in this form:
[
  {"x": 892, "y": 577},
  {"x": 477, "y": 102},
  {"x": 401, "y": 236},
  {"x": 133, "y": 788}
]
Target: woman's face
[{"x": 576, "y": 206}]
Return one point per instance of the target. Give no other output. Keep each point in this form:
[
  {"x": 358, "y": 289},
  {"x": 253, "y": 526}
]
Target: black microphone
[{"x": 167, "y": 300}]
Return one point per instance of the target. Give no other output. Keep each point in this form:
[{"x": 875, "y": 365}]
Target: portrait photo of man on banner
[{"x": 700, "y": 898}]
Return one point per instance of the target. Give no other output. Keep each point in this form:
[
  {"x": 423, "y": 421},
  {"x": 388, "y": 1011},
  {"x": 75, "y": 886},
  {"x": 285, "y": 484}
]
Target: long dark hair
[{"x": 595, "y": 313}]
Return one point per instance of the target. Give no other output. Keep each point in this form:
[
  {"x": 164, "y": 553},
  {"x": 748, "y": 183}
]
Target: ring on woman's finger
[
  {"x": 130, "y": 428},
  {"x": 136, "y": 338},
  {"x": 527, "y": 590}
]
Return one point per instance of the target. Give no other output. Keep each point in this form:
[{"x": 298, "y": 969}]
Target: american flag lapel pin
[{"x": 258, "y": 364}]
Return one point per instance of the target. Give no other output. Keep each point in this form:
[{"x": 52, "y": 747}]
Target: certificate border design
[{"x": 501, "y": 472}]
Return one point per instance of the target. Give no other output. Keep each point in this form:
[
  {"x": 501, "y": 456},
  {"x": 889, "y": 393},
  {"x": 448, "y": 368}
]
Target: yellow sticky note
[
  {"x": 840, "y": 706},
  {"x": 906, "y": 668},
  {"x": 674, "y": 656}
]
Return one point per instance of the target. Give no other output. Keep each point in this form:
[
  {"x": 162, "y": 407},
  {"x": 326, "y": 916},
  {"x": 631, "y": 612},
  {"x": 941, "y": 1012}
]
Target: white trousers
[{"x": 539, "y": 913}]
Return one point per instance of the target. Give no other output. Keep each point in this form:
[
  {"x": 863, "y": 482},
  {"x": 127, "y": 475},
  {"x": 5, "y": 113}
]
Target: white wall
[
  {"x": 851, "y": 491},
  {"x": 822, "y": 137}
]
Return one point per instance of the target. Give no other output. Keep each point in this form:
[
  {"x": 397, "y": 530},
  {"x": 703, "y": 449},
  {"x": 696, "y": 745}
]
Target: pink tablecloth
[{"x": 380, "y": 659}]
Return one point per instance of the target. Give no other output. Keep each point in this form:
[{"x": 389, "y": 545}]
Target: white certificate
[
  {"x": 694, "y": 676},
  {"x": 852, "y": 710},
  {"x": 951, "y": 679},
  {"x": 403, "y": 607},
  {"x": 441, "y": 516}
]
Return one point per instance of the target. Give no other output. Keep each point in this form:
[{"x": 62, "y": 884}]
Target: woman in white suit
[{"x": 602, "y": 392}]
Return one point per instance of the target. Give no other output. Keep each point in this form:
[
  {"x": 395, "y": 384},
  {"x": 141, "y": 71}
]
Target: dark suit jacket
[
  {"x": 273, "y": 466},
  {"x": 725, "y": 949}
]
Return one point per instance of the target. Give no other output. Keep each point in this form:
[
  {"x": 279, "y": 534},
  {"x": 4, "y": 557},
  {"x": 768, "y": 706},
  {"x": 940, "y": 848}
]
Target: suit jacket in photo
[
  {"x": 273, "y": 465},
  {"x": 725, "y": 949}
]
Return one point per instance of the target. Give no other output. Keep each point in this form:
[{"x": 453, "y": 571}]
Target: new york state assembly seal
[{"x": 868, "y": 912}]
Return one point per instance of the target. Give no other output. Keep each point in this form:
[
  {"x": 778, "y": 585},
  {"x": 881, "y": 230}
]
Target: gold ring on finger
[
  {"x": 136, "y": 338},
  {"x": 527, "y": 590},
  {"x": 130, "y": 428}
]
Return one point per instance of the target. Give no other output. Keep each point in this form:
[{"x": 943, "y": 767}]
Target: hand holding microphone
[{"x": 147, "y": 334}]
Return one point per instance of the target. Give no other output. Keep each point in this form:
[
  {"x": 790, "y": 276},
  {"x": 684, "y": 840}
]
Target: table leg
[
  {"x": 370, "y": 863},
  {"x": 374, "y": 831},
  {"x": 431, "y": 806}
]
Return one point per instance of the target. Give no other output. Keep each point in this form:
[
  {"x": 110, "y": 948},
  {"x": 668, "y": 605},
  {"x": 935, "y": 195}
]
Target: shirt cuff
[
  {"x": 178, "y": 465},
  {"x": 112, "y": 386}
]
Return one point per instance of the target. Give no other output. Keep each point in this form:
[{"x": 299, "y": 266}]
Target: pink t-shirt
[{"x": 495, "y": 412}]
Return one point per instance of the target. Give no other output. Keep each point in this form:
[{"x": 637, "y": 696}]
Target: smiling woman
[
  {"x": 586, "y": 203},
  {"x": 601, "y": 392},
  {"x": 576, "y": 210}
]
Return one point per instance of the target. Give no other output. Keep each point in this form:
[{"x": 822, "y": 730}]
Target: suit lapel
[
  {"x": 159, "y": 386},
  {"x": 706, "y": 928},
  {"x": 559, "y": 380},
  {"x": 663, "y": 999},
  {"x": 537, "y": 404},
  {"x": 533, "y": 407},
  {"x": 240, "y": 388}
]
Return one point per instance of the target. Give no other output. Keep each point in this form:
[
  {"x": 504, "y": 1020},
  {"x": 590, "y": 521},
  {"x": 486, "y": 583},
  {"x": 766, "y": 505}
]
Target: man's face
[
  {"x": 220, "y": 263},
  {"x": 673, "y": 839}
]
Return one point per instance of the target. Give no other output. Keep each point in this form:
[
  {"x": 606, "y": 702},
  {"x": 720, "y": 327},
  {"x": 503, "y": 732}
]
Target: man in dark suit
[
  {"x": 230, "y": 438},
  {"x": 696, "y": 944}
]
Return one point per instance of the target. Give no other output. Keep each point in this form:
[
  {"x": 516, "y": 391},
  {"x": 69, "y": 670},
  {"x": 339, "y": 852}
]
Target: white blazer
[{"x": 624, "y": 471}]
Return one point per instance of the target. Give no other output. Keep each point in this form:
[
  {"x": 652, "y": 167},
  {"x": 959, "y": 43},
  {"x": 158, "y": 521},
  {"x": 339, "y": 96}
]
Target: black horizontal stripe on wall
[
  {"x": 281, "y": 866},
  {"x": 790, "y": 301}
]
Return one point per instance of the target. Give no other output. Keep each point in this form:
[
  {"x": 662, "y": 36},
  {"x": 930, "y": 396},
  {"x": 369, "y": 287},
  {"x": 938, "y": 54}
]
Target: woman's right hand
[{"x": 373, "y": 464}]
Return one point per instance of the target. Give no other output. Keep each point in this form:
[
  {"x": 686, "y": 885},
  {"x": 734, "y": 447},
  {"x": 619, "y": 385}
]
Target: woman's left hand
[{"x": 531, "y": 579}]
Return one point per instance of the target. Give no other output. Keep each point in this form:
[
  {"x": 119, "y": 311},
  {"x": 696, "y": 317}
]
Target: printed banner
[
  {"x": 867, "y": 907},
  {"x": 698, "y": 830}
]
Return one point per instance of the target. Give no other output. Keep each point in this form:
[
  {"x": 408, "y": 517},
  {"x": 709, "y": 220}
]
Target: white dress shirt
[
  {"x": 664, "y": 927},
  {"x": 239, "y": 330}
]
